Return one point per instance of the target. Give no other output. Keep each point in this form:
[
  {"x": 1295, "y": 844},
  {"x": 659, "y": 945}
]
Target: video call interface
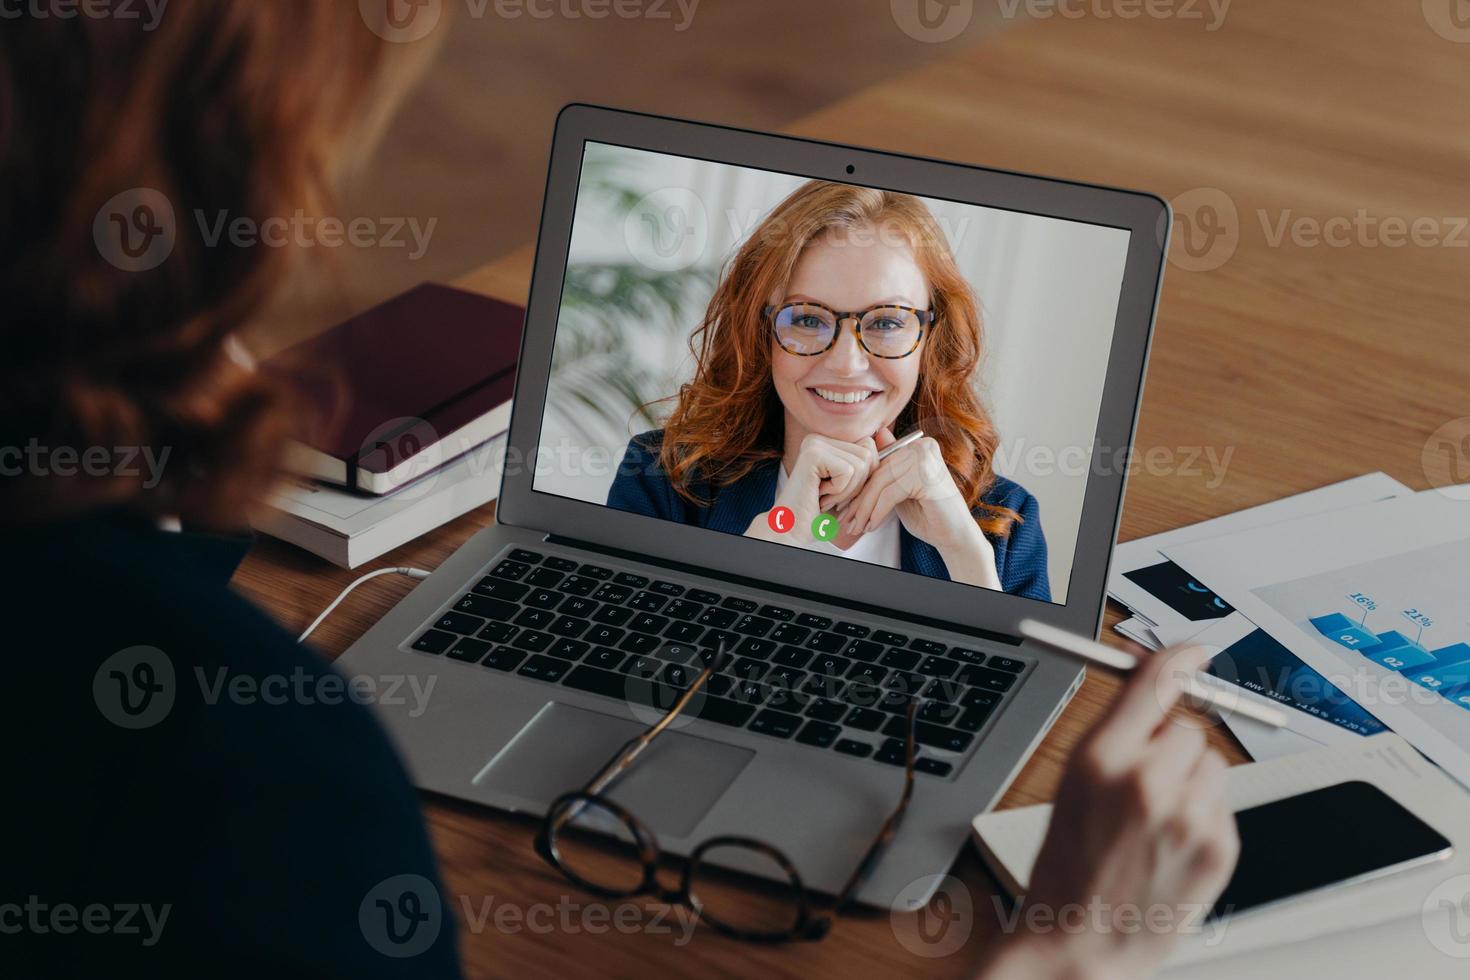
[{"x": 905, "y": 381}]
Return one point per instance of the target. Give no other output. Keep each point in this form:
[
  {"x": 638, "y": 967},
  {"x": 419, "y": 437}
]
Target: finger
[
  {"x": 893, "y": 495},
  {"x": 1153, "y": 688},
  {"x": 884, "y": 437},
  {"x": 1171, "y": 759},
  {"x": 859, "y": 515}
]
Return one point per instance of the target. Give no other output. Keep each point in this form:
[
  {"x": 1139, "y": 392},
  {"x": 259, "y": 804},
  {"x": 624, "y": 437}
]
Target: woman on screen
[{"x": 841, "y": 325}]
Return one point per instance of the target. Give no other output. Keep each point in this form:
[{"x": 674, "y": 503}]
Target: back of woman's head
[{"x": 122, "y": 139}]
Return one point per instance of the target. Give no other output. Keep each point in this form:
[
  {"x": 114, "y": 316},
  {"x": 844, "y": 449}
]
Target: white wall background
[{"x": 1048, "y": 290}]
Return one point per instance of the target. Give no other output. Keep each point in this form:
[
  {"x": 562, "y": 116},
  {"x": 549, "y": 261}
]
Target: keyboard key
[
  {"x": 825, "y": 710},
  {"x": 613, "y": 615},
  {"x": 630, "y": 580},
  {"x": 749, "y": 670},
  {"x": 894, "y": 702},
  {"x": 683, "y": 632},
  {"x": 906, "y": 682},
  {"x": 814, "y": 622},
  {"x": 604, "y": 682},
  {"x": 500, "y": 589},
  {"x": 776, "y": 723},
  {"x": 612, "y": 593},
  {"x": 678, "y": 675},
  {"x": 785, "y": 699},
  {"x": 560, "y": 564},
  {"x": 865, "y": 650},
  {"x": 740, "y": 605},
  {"x": 934, "y": 736},
  {"x": 478, "y": 605},
  {"x": 864, "y": 719},
  {"x": 830, "y": 665},
  {"x": 568, "y": 649},
  {"x": 719, "y": 618},
  {"x": 455, "y": 622},
  {"x": 606, "y": 658},
  {"x": 987, "y": 679},
  {"x": 577, "y": 606},
  {"x": 607, "y": 636},
  {"x": 862, "y": 694},
  {"x": 786, "y": 677},
  {"x": 544, "y": 599},
  {"x": 710, "y": 656},
  {"x": 792, "y": 657},
  {"x": 682, "y": 609},
  {"x": 974, "y": 718},
  {"x": 1007, "y": 664},
  {"x": 719, "y": 684},
  {"x": 848, "y": 746},
  {"x": 943, "y": 690},
  {"x": 894, "y": 752},
  {"x": 702, "y": 597},
  {"x": 533, "y": 641},
  {"x": 434, "y": 641},
  {"x": 648, "y": 623},
  {"x": 929, "y": 647},
  {"x": 871, "y": 673},
  {"x": 890, "y": 639},
  {"x": 822, "y": 686},
  {"x": 528, "y": 557},
  {"x": 756, "y": 648},
  {"x": 667, "y": 588},
  {"x": 749, "y": 692},
  {"x": 754, "y": 625},
  {"x": 679, "y": 653},
  {"x": 535, "y": 618},
  {"x": 545, "y": 668},
  {"x": 504, "y": 658},
  {"x": 825, "y": 642},
  {"x": 641, "y": 666},
  {"x": 939, "y": 713},
  {"x": 818, "y": 733},
  {"x": 967, "y": 655},
  {"x": 569, "y": 626},
  {"x": 578, "y": 585},
  {"x": 719, "y": 639},
  {"x": 545, "y": 577},
  {"x": 786, "y": 633},
  {"x": 723, "y": 711},
  {"x": 511, "y": 570},
  {"x": 648, "y": 602},
  {"x": 933, "y": 767},
  {"x": 901, "y": 659},
  {"x": 852, "y": 629},
  {"x": 776, "y": 612},
  {"x": 977, "y": 698},
  {"x": 938, "y": 666},
  {"x": 468, "y": 650},
  {"x": 595, "y": 571},
  {"x": 640, "y": 643},
  {"x": 497, "y": 632}
]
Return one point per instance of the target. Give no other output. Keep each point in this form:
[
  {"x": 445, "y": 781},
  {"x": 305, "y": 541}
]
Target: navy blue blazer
[{"x": 642, "y": 487}]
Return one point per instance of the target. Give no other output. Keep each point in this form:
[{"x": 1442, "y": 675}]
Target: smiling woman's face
[{"x": 846, "y": 393}]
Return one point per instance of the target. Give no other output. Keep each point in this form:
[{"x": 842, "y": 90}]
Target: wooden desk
[{"x": 1308, "y": 364}]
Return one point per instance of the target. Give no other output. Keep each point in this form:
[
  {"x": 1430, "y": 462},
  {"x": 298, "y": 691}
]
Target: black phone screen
[{"x": 1321, "y": 838}]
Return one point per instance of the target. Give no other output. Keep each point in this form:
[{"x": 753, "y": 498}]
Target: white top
[{"x": 878, "y": 547}]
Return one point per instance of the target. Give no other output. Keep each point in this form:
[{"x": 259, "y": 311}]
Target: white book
[{"x": 348, "y": 529}]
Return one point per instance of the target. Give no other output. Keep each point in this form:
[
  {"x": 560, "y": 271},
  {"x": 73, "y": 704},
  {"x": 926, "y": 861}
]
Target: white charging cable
[{"x": 417, "y": 573}]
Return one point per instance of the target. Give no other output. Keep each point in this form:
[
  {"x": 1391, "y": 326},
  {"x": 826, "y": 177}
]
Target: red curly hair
[{"x": 729, "y": 418}]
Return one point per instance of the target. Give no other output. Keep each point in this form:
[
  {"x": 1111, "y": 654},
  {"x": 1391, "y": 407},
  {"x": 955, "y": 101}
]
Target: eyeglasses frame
[{"x": 926, "y": 319}]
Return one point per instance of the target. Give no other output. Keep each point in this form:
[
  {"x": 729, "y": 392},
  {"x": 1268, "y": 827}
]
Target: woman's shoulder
[{"x": 1005, "y": 492}]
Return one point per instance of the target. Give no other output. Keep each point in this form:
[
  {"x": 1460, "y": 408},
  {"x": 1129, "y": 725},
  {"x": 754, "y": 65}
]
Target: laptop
[{"x": 715, "y": 313}]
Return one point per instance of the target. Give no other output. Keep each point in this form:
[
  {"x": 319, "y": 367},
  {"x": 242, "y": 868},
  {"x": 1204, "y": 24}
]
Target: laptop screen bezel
[{"x": 1145, "y": 216}]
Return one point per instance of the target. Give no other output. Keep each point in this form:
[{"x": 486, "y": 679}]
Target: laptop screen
[{"x": 885, "y": 378}]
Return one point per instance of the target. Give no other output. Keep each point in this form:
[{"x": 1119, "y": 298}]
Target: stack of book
[{"x": 405, "y": 410}]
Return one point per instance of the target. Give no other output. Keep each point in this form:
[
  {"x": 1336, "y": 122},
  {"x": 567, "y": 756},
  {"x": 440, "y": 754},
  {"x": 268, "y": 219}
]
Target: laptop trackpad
[{"x": 670, "y": 788}]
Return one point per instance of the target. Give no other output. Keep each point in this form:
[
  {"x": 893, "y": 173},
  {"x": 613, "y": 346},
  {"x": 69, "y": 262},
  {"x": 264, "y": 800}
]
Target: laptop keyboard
[{"x": 787, "y": 674}]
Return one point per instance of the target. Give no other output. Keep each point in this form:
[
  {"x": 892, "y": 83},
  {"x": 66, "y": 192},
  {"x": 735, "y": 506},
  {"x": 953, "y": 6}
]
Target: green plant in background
[{"x": 623, "y": 327}]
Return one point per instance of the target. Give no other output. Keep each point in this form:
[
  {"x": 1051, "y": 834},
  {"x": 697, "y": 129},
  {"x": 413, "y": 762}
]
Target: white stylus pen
[
  {"x": 907, "y": 440},
  {"x": 1195, "y": 690}
]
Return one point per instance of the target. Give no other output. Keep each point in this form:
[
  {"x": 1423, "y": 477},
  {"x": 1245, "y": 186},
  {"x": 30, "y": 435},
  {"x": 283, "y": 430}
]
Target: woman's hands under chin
[
  {"x": 826, "y": 473},
  {"x": 917, "y": 483}
]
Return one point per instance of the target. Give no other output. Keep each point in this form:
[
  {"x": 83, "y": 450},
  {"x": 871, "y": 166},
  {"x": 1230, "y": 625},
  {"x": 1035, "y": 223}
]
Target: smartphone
[{"x": 1338, "y": 835}]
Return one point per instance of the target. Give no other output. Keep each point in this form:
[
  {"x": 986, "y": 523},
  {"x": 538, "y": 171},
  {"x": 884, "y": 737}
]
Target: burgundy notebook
[{"x": 395, "y": 392}]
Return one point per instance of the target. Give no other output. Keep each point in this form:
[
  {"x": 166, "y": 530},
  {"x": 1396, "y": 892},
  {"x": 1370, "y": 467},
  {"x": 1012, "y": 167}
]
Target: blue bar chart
[{"x": 1444, "y": 670}]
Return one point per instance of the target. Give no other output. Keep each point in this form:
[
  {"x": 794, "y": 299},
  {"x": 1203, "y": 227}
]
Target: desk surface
[{"x": 1297, "y": 363}]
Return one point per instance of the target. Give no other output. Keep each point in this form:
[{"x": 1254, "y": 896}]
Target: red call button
[{"x": 781, "y": 519}]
